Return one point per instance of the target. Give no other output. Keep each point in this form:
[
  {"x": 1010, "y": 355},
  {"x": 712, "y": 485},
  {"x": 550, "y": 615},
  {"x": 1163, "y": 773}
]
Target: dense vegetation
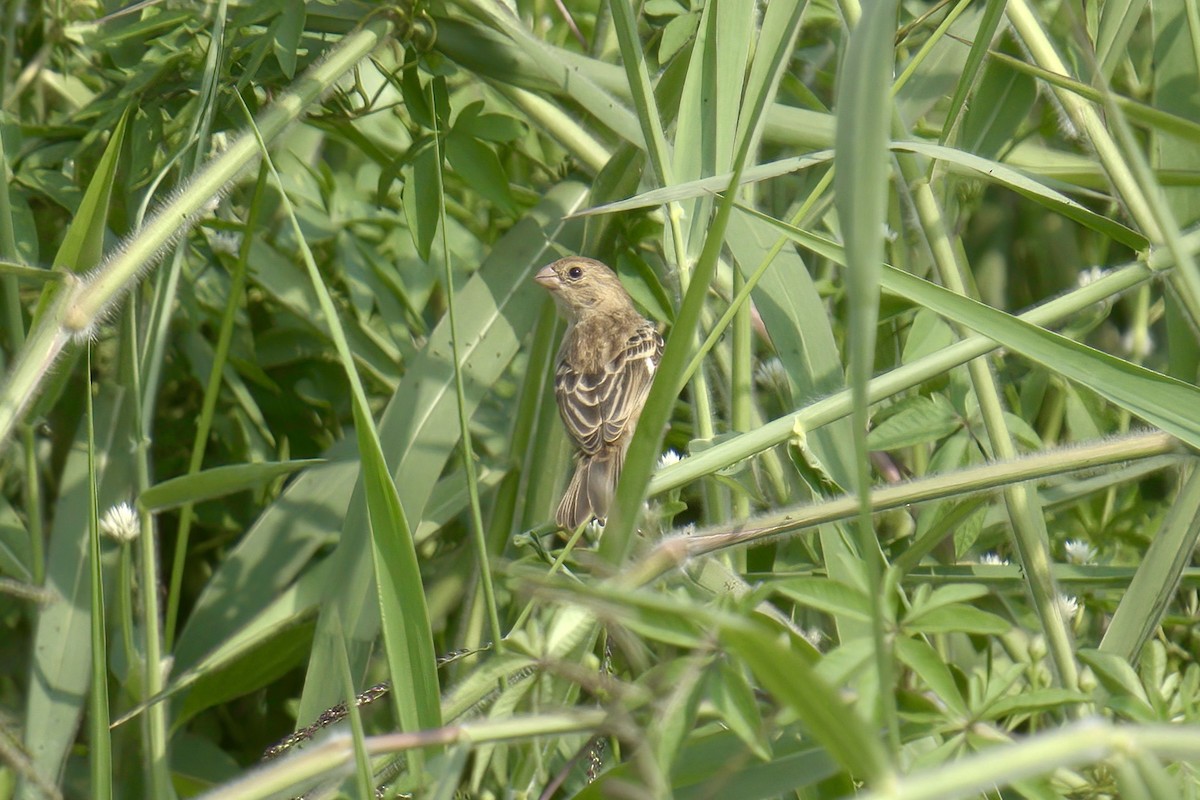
[{"x": 277, "y": 424}]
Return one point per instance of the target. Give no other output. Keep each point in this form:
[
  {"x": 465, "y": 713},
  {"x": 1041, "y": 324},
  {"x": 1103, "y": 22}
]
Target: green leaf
[
  {"x": 478, "y": 164},
  {"x": 957, "y": 618},
  {"x": 1118, "y": 678},
  {"x": 928, "y": 334},
  {"x": 794, "y": 683},
  {"x": 826, "y": 595},
  {"x": 733, "y": 698},
  {"x": 984, "y": 34},
  {"x": 663, "y": 8},
  {"x": 403, "y": 609},
  {"x": 260, "y": 662},
  {"x": 1118, "y": 22},
  {"x": 1145, "y": 601},
  {"x": 794, "y": 313},
  {"x": 420, "y": 196},
  {"x": 1158, "y": 399},
  {"x": 1000, "y": 105},
  {"x": 15, "y": 554},
  {"x": 927, "y": 662},
  {"x": 416, "y": 102},
  {"x": 286, "y": 32},
  {"x": 920, "y": 420},
  {"x": 949, "y": 595},
  {"x": 264, "y": 564},
  {"x": 676, "y": 34},
  {"x": 1029, "y": 701},
  {"x": 498, "y": 128}
]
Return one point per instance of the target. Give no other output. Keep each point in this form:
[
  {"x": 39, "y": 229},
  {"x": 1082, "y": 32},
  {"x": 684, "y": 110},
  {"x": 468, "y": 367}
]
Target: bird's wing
[{"x": 599, "y": 409}]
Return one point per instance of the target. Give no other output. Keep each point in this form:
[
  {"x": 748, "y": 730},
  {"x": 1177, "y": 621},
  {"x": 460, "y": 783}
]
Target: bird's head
[{"x": 584, "y": 285}]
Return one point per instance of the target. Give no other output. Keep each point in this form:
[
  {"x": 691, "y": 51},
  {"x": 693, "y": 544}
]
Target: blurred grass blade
[
  {"x": 861, "y": 180},
  {"x": 957, "y": 161},
  {"x": 718, "y": 183},
  {"x": 217, "y": 482},
  {"x": 1118, "y": 21},
  {"x": 1144, "y": 603},
  {"x": 59, "y": 676},
  {"x": 773, "y": 50}
]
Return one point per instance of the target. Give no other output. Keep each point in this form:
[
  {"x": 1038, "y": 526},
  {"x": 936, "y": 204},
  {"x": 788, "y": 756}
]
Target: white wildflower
[
  {"x": 1089, "y": 276},
  {"x": 993, "y": 560},
  {"x": 210, "y": 206},
  {"x": 1068, "y": 605},
  {"x": 1138, "y": 345},
  {"x": 121, "y": 523},
  {"x": 771, "y": 375},
  {"x": 668, "y": 458},
  {"x": 1079, "y": 552},
  {"x": 225, "y": 242}
]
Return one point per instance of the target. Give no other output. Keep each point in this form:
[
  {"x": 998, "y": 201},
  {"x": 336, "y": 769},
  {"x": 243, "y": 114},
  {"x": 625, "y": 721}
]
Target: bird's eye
[{"x": 575, "y": 273}]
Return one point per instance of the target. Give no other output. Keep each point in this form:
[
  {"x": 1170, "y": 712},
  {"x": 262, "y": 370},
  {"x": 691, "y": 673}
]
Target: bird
[{"x": 606, "y": 365}]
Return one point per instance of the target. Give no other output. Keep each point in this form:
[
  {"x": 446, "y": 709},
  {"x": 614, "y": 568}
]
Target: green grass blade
[
  {"x": 100, "y": 750},
  {"x": 1027, "y": 187},
  {"x": 1160, "y": 400},
  {"x": 1143, "y": 604},
  {"x": 644, "y": 104},
  {"x": 1118, "y": 21},
  {"x": 861, "y": 182},
  {"x": 217, "y": 482},
  {"x": 404, "y": 615},
  {"x": 58, "y": 676}
]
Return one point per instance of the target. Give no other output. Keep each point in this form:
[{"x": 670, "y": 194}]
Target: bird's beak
[{"x": 547, "y": 278}]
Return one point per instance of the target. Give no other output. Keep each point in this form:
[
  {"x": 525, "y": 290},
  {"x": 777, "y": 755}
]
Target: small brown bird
[{"x": 605, "y": 367}]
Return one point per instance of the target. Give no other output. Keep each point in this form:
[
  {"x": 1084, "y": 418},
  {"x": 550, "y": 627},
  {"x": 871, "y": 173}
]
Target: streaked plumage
[{"x": 605, "y": 367}]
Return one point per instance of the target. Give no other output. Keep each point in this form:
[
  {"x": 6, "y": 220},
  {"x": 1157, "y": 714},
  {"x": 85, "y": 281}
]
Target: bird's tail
[{"x": 591, "y": 490}]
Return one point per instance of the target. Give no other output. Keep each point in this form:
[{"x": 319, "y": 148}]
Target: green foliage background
[{"x": 928, "y": 277}]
